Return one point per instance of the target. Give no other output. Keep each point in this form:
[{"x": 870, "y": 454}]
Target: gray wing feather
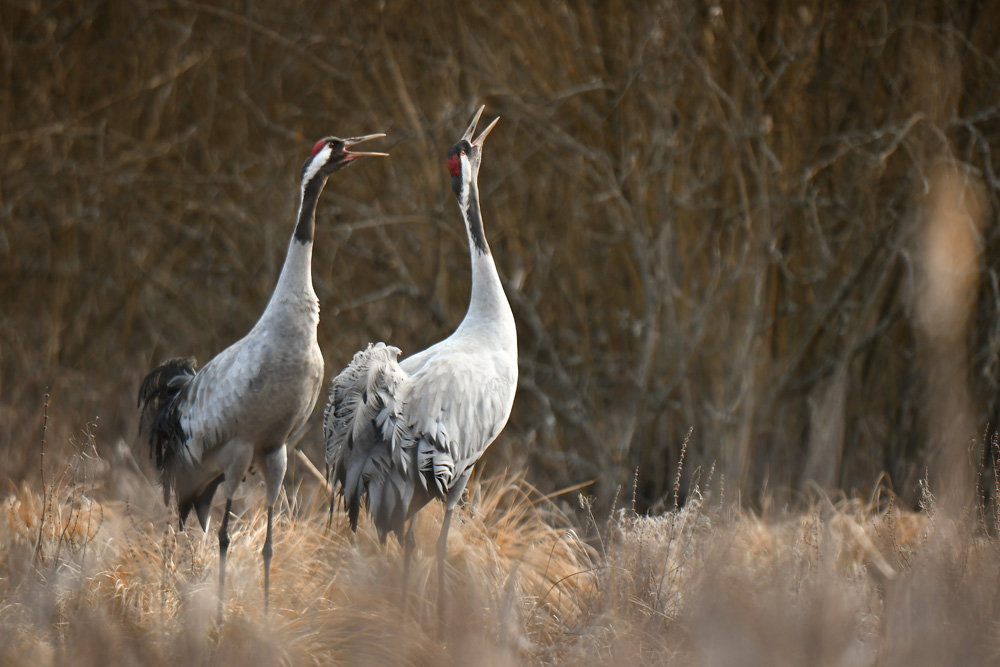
[
  {"x": 216, "y": 398},
  {"x": 366, "y": 434},
  {"x": 394, "y": 429},
  {"x": 458, "y": 410}
]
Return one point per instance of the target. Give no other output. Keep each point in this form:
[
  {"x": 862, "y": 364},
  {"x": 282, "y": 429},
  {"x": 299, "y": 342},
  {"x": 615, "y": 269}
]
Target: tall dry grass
[{"x": 86, "y": 581}]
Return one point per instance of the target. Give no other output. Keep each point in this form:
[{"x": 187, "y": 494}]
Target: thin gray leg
[
  {"x": 409, "y": 542},
  {"x": 223, "y": 550},
  {"x": 274, "y": 473},
  {"x": 442, "y": 553},
  {"x": 267, "y": 552}
]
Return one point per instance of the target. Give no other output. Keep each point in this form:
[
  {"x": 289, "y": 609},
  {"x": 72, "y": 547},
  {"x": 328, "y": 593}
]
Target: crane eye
[{"x": 463, "y": 152}]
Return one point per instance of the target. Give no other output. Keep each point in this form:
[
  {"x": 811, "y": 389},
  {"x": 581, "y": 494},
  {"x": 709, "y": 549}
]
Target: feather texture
[
  {"x": 160, "y": 417},
  {"x": 400, "y": 434},
  {"x": 363, "y": 426}
]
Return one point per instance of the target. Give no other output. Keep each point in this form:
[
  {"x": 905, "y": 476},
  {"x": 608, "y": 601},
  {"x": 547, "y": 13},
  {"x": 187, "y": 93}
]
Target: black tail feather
[{"x": 158, "y": 396}]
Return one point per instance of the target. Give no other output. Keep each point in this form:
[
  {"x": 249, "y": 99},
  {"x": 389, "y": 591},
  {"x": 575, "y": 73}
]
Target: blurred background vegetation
[{"x": 706, "y": 216}]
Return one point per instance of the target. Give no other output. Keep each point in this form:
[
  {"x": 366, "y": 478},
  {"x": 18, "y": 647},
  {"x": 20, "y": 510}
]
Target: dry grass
[
  {"x": 87, "y": 581},
  {"x": 92, "y": 579}
]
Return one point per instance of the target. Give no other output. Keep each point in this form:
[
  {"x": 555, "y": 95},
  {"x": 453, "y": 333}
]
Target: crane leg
[
  {"x": 267, "y": 553},
  {"x": 442, "y": 553},
  {"x": 223, "y": 550},
  {"x": 274, "y": 473},
  {"x": 409, "y": 542}
]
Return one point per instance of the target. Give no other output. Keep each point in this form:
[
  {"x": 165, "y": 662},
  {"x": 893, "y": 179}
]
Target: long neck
[
  {"x": 474, "y": 221},
  {"x": 305, "y": 227},
  {"x": 295, "y": 282},
  {"x": 488, "y": 302}
]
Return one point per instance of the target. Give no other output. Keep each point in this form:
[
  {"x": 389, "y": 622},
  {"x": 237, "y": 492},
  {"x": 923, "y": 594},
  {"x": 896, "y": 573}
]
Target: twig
[
  {"x": 300, "y": 455},
  {"x": 568, "y": 489},
  {"x": 41, "y": 472},
  {"x": 680, "y": 466},
  {"x": 61, "y": 126},
  {"x": 238, "y": 19}
]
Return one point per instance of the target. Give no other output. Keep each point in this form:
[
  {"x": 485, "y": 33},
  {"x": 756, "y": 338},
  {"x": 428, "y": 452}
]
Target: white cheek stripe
[
  {"x": 317, "y": 162},
  {"x": 466, "y": 179},
  {"x": 466, "y": 169}
]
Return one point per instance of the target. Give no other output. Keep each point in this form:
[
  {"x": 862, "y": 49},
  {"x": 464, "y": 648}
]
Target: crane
[
  {"x": 207, "y": 427},
  {"x": 399, "y": 434}
]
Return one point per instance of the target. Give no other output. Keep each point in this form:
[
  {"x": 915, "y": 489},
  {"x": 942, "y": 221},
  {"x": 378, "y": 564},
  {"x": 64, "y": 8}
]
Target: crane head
[
  {"x": 333, "y": 153},
  {"x": 465, "y": 157}
]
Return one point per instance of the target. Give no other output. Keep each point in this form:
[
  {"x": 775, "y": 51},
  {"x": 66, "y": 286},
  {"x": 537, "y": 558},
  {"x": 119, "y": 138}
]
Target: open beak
[
  {"x": 353, "y": 141},
  {"x": 472, "y": 128}
]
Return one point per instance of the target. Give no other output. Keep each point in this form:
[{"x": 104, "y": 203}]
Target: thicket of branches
[{"x": 704, "y": 214}]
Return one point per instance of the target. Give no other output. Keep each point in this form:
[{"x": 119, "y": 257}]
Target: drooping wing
[
  {"x": 456, "y": 410},
  {"x": 394, "y": 429},
  {"x": 367, "y": 437},
  {"x": 188, "y": 414},
  {"x": 217, "y": 397}
]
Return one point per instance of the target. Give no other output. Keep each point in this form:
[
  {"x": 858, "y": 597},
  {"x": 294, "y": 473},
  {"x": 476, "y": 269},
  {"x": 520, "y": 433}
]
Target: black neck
[
  {"x": 474, "y": 221},
  {"x": 305, "y": 228}
]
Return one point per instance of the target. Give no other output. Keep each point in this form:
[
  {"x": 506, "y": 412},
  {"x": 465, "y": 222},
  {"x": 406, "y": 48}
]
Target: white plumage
[
  {"x": 207, "y": 428},
  {"x": 400, "y": 434}
]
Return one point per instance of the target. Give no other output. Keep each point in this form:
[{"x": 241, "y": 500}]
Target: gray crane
[
  {"x": 206, "y": 428},
  {"x": 400, "y": 434}
]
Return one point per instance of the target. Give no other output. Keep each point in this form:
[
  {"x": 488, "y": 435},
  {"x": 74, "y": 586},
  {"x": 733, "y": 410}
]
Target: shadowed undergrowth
[{"x": 704, "y": 215}]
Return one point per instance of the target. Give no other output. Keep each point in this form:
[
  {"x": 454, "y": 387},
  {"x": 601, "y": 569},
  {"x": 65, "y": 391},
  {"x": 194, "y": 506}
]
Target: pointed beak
[
  {"x": 472, "y": 128},
  {"x": 479, "y": 140},
  {"x": 353, "y": 141}
]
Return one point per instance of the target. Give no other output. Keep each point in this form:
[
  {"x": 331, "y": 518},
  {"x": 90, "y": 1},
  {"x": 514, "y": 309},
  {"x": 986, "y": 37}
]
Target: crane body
[
  {"x": 400, "y": 434},
  {"x": 206, "y": 428}
]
